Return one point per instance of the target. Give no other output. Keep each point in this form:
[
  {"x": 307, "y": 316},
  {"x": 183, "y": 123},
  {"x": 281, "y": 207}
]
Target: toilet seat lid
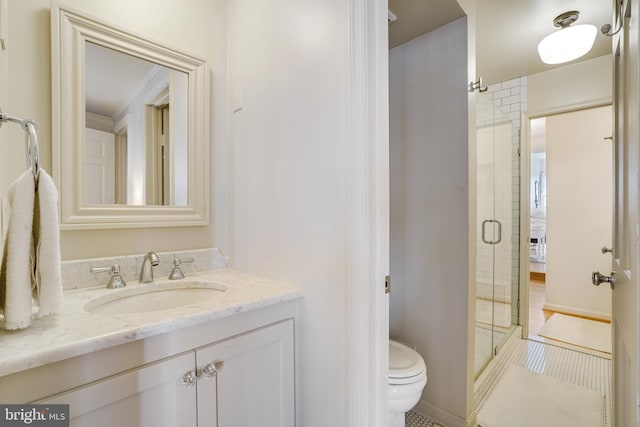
[{"x": 404, "y": 362}]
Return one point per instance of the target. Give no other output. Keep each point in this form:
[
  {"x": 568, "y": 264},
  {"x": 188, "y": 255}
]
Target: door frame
[
  {"x": 368, "y": 207},
  {"x": 525, "y": 222}
]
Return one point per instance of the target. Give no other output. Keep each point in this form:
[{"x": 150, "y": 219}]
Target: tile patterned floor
[
  {"x": 568, "y": 365},
  {"x": 413, "y": 419},
  {"x": 576, "y": 367},
  {"x": 588, "y": 370}
]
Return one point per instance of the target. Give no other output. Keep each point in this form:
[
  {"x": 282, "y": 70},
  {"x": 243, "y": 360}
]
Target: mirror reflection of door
[
  {"x": 158, "y": 160},
  {"x": 99, "y": 167}
]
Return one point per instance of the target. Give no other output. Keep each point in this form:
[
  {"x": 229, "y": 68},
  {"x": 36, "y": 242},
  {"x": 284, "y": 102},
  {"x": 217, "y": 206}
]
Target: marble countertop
[{"x": 75, "y": 331}]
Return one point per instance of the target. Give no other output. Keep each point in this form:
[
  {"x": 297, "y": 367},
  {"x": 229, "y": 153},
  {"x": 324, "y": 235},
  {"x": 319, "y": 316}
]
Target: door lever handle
[
  {"x": 597, "y": 279},
  {"x": 606, "y": 249}
]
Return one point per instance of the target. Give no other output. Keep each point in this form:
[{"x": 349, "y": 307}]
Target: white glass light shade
[{"x": 567, "y": 44}]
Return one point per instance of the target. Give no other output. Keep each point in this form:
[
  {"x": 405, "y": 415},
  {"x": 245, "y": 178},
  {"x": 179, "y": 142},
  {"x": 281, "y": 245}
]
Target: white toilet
[{"x": 407, "y": 378}]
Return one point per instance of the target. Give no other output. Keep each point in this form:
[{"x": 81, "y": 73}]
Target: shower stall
[{"x": 497, "y": 221}]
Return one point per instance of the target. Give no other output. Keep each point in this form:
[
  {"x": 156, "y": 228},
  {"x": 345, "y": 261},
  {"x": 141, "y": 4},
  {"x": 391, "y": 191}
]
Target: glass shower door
[{"x": 497, "y": 213}]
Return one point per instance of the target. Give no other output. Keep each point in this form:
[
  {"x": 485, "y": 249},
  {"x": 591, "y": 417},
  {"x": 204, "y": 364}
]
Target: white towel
[
  {"x": 48, "y": 280},
  {"x": 15, "y": 278},
  {"x": 31, "y": 259}
]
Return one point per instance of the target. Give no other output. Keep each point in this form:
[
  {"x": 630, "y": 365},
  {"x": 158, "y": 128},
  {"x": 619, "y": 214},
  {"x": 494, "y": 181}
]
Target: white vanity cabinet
[
  {"x": 253, "y": 383},
  {"x": 148, "y": 396},
  {"x": 244, "y": 380}
]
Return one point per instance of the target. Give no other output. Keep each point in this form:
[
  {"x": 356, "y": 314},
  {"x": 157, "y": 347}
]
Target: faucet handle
[
  {"x": 116, "y": 280},
  {"x": 177, "y": 273}
]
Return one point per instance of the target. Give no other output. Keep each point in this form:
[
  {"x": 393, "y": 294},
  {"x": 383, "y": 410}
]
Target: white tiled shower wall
[
  {"x": 495, "y": 201},
  {"x": 510, "y": 98}
]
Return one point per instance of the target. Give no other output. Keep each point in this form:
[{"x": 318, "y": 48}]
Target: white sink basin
[{"x": 156, "y": 296}]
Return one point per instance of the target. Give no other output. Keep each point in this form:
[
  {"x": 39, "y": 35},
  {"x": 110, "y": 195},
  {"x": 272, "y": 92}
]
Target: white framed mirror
[{"x": 130, "y": 129}]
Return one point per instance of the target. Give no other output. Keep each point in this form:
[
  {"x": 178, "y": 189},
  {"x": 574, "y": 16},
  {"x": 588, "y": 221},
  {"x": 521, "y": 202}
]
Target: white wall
[
  {"x": 583, "y": 84},
  {"x": 199, "y": 29},
  {"x": 579, "y": 195},
  {"x": 430, "y": 212},
  {"x": 288, "y": 70}
]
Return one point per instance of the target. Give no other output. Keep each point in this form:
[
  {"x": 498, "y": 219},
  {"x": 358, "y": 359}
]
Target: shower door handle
[
  {"x": 484, "y": 231},
  {"x": 499, "y": 232}
]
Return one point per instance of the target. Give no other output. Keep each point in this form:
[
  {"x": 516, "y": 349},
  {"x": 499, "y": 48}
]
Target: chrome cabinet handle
[
  {"x": 484, "y": 229},
  {"x": 190, "y": 378},
  {"x": 597, "y": 279},
  {"x": 210, "y": 371}
]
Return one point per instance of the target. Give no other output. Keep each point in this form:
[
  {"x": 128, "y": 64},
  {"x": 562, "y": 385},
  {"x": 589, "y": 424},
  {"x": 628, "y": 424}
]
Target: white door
[
  {"x": 99, "y": 167},
  {"x": 626, "y": 220},
  {"x": 576, "y": 227}
]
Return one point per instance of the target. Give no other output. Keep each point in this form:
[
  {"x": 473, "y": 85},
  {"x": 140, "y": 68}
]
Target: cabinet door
[
  {"x": 254, "y": 384},
  {"x": 151, "y": 396}
]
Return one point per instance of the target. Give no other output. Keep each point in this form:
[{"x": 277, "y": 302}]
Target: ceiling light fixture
[{"x": 570, "y": 42}]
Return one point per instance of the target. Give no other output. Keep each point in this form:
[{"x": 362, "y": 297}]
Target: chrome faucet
[{"x": 146, "y": 270}]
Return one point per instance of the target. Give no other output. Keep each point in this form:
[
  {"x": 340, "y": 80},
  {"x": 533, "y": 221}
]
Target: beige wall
[
  {"x": 199, "y": 29},
  {"x": 571, "y": 87}
]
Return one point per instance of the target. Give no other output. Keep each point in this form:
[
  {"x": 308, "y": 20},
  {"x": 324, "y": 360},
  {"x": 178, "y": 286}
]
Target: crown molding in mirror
[{"x": 69, "y": 32}]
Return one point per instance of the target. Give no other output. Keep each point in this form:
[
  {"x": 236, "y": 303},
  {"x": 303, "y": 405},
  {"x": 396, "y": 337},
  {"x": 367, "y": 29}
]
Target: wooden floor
[
  {"x": 537, "y": 271},
  {"x": 538, "y": 316}
]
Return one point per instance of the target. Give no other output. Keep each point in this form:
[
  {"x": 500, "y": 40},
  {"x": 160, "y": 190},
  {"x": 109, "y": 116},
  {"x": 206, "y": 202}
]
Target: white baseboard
[{"x": 564, "y": 309}]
